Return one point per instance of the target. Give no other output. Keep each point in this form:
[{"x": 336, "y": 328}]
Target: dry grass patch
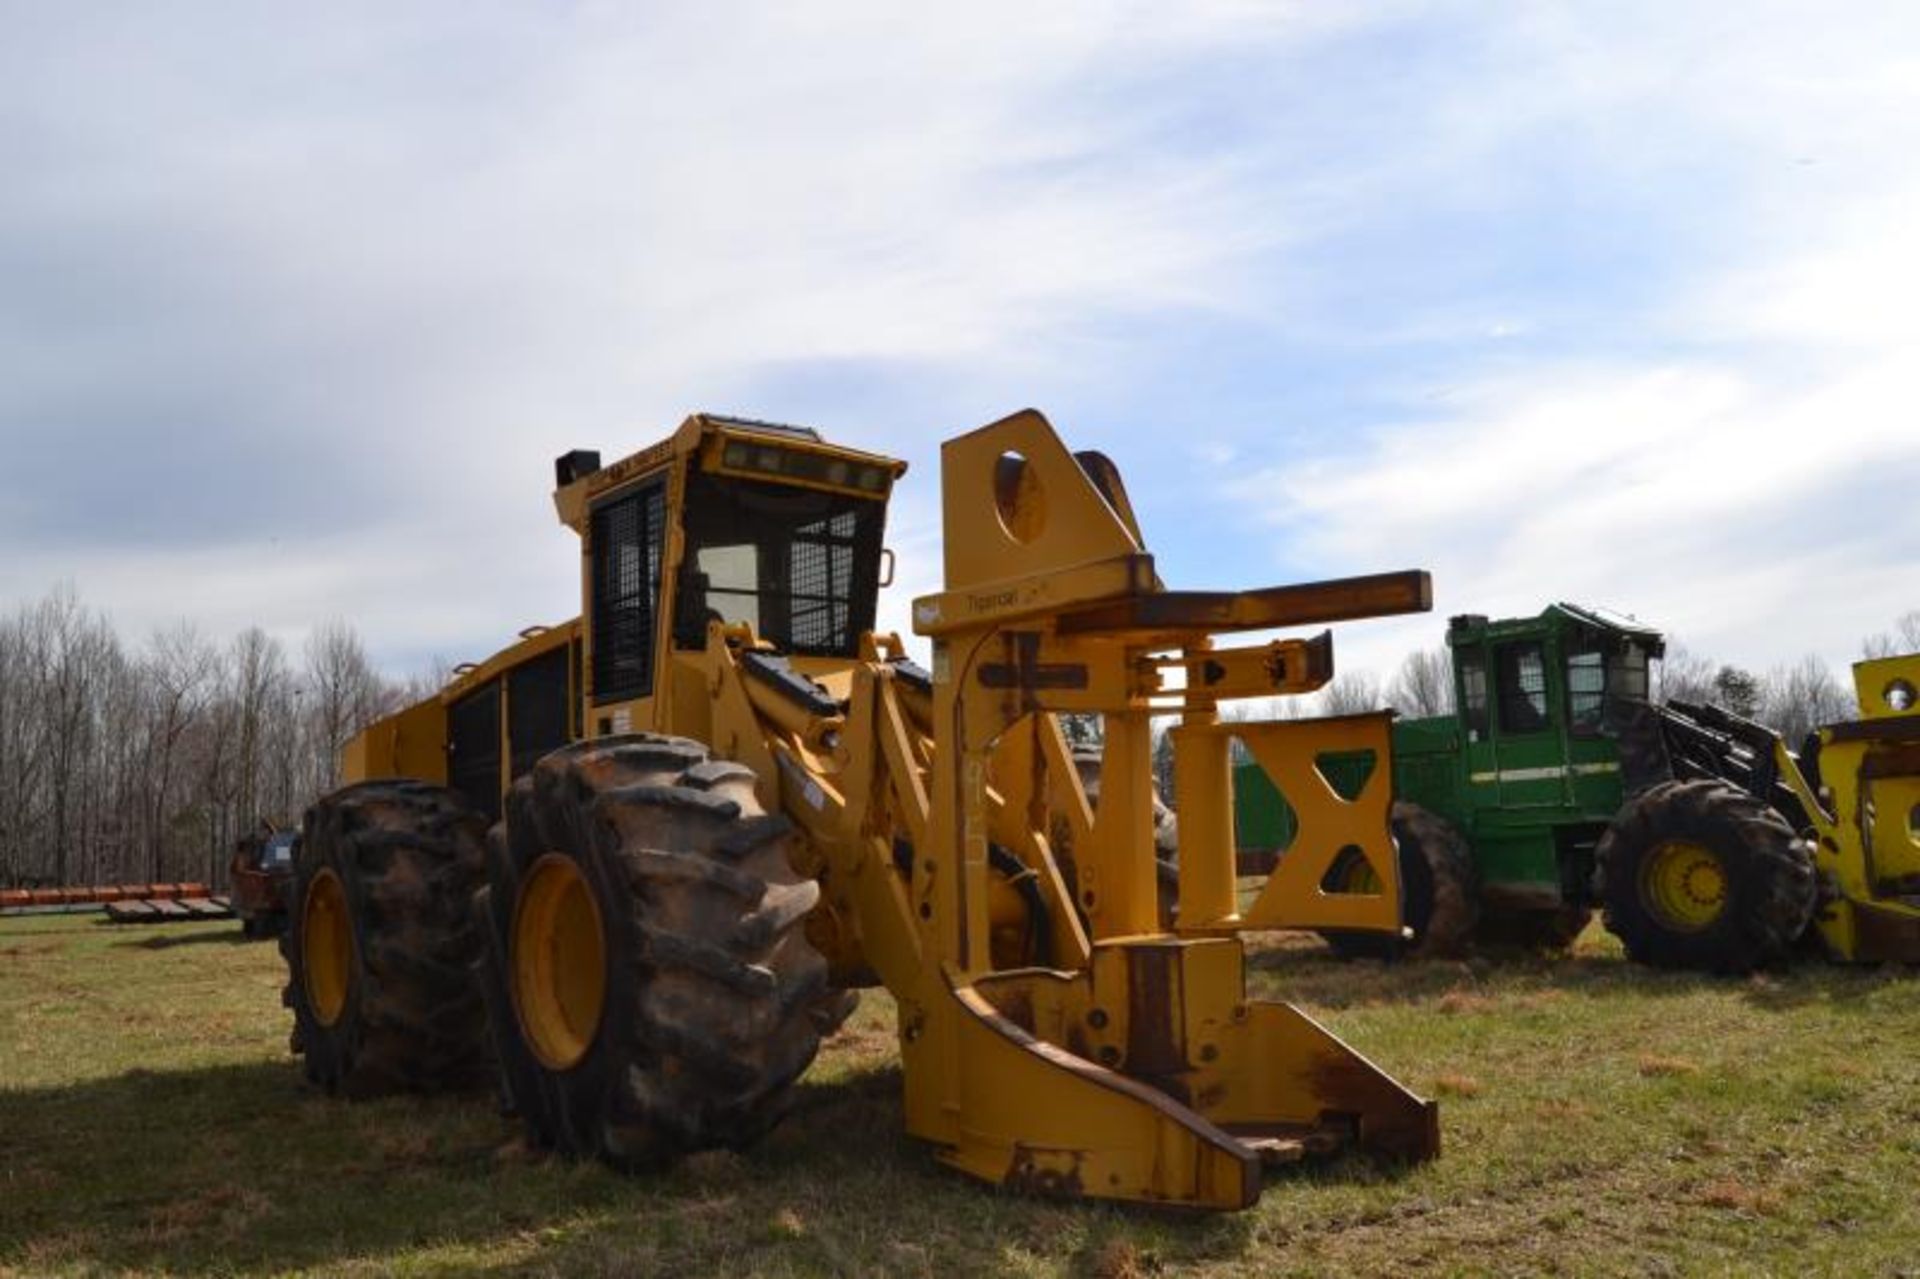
[
  {"x": 1737, "y": 1196},
  {"x": 1119, "y": 1259}
]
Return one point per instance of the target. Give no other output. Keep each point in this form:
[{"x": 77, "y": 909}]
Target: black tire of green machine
[
  {"x": 1769, "y": 871},
  {"x": 1440, "y": 899}
]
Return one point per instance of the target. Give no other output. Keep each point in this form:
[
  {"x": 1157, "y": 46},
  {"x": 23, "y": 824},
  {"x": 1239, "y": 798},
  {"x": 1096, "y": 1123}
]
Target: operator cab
[
  {"x": 1565, "y": 667},
  {"x": 729, "y": 521},
  {"x": 799, "y": 565},
  {"x": 1608, "y": 659}
]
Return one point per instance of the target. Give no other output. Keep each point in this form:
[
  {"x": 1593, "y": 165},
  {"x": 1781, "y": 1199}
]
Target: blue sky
[{"x": 1616, "y": 304}]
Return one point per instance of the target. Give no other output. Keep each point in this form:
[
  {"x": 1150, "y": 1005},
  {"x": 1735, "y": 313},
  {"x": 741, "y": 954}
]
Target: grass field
[{"x": 1598, "y": 1119}]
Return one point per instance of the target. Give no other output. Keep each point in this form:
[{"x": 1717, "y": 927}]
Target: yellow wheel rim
[
  {"x": 1357, "y": 877},
  {"x": 326, "y": 946},
  {"x": 1684, "y": 885},
  {"x": 558, "y": 960}
]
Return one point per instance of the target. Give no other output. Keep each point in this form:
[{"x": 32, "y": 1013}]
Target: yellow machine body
[
  {"x": 1055, "y": 1036},
  {"x": 1865, "y": 815}
]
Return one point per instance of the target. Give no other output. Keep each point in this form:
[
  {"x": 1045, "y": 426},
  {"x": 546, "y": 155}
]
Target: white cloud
[
  {"x": 451, "y": 242},
  {"x": 1757, "y": 522},
  {"x": 1726, "y": 454}
]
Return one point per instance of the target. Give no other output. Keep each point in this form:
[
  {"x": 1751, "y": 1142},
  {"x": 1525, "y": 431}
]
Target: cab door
[
  {"x": 1529, "y": 756},
  {"x": 1596, "y": 670},
  {"x": 1473, "y": 696}
]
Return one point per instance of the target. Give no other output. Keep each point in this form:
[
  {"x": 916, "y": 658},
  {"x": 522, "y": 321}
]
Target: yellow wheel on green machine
[{"x": 1684, "y": 885}]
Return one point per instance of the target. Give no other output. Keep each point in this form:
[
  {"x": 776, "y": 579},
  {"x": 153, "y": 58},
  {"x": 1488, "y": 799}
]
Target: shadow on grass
[
  {"x": 1310, "y": 973},
  {"x": 244, "y": 1168}
]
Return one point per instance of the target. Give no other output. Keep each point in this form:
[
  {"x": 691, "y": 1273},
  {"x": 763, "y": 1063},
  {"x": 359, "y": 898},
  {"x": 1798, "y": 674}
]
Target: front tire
[
  {"x": 1700, "y": 875},
  {"x": 379, "y": 944},
  {"x": 650, "y": 986}
]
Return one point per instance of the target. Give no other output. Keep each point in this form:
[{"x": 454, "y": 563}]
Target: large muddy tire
[
  {"x": 1440, "y": 897},
  {"x": 650, "y": 985},
  {"x": 380, "y": 943},
  {"x": 1703, "y": 876}
]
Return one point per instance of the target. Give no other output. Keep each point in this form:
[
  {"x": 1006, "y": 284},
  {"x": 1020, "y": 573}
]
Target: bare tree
[
  {"x": 1796, "y": 699},
  {"x": 1351, "y": 693},
  {"x": 180, "y": 675},
  {"x": 343, "y": 694},
  {"x": 1902, "y": 639},
  {"x": 261, "y": 687},
  {"x": 118, "y": 765},
  {"x": 1683, "y": 676},
  {"x": 76, "y": 646},
  {"x": 423, "y": 683},
  {"x": 1424, "y": 685}
]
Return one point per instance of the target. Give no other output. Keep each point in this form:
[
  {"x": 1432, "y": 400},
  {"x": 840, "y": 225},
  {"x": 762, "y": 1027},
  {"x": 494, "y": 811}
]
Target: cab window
[
  {"x": 1627, "y": 672},
  {"x": 1586, "y": 690},
  {"x": 1473, "y": 690},
  {"x": 799, "y": 565},
  {"x": 1520, "y": 671},
  {"x": 628, "y": 537}
]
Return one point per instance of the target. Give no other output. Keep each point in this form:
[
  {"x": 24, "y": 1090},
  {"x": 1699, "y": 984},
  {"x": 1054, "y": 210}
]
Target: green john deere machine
[
  {"x": 1499, "y": 807},
  {"x": 1558, "y": 787}
]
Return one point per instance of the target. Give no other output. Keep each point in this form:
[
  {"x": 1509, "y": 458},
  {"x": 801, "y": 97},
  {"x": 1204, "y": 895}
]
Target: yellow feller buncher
[{"x": 679, "y": 832}]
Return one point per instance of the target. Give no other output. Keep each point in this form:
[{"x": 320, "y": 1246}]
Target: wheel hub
[
  {"x": 558, "y": 962},
  {"x": 1351, "y": 873},
  {"x": 326, "y": 941},
  {"x": 1684, "y": 885}
]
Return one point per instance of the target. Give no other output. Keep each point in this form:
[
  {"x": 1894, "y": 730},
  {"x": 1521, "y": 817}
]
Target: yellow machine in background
[
  {"x": 700, "y": 816},
  {"x": 1860, "y": 788}
]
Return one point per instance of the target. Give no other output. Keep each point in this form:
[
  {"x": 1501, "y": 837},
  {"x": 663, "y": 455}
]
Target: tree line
[
  {"x": 145, "y": 763},
  {"x": 129, "y": 764}
]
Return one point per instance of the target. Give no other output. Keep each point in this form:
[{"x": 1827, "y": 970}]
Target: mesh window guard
[{"x": 627, "y": 537}]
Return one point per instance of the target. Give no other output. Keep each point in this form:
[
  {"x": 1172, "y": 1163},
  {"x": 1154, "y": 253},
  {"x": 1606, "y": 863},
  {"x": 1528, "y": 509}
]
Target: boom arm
[{"x": 1131, "y": 1065}]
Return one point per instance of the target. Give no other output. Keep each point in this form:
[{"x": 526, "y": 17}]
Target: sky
[{"x": 1613, "y": 303}]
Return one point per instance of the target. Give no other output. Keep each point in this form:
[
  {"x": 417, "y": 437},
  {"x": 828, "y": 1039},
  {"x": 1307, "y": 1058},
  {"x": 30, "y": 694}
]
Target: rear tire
[
  {"x": 1440, "y": 898},
  {"x": 396, "y": 1009},
  {"x": 702, "y": 1002},
  {"x": 1703, "y": 876}
]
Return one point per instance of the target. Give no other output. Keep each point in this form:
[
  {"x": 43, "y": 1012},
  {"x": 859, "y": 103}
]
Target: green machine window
[
  {"x": 1627, "y": 671},
  {"x": 1521, "y": 671},
  {"x": 1586, "y": 690},
  {"x": 1473, "y": 689}
]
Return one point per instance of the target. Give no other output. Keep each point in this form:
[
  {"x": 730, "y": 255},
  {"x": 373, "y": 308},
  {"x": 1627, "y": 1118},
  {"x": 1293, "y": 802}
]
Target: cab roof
[{"x": 1554, "y": 616}]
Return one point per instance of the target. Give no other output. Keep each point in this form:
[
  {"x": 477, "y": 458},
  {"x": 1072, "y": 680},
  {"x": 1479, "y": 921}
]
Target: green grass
[{"x": 1598, "y": 1119}]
